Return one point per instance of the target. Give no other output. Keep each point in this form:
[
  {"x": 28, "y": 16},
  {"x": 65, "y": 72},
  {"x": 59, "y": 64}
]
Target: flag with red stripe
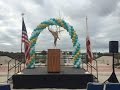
[
  {"x": 26, "y": 42},
  {"x": 89, "y": 52}
]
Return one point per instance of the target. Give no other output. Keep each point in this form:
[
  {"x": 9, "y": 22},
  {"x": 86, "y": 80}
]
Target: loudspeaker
[{"x": 113, "y": 46}]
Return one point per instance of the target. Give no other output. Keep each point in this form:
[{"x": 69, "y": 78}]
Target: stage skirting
[{"x": 52, "y": 81}]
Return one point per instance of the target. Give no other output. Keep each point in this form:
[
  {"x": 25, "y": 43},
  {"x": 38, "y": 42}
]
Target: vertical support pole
[
  {"x": 15, "y": 66},
  {"x": 8, "y": 73},
  {"x": 113, "y": 64}
]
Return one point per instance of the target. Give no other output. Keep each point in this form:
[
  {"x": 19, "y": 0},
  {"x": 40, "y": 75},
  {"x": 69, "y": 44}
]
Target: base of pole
[{"x": 112, "y": 78}]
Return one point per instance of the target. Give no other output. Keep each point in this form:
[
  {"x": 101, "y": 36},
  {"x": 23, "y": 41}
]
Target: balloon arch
[{"x": 61, "y": 23}]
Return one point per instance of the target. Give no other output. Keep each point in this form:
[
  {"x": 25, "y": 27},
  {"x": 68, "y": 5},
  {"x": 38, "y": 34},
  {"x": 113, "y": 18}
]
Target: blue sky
[{"x": 103, "y": 22}]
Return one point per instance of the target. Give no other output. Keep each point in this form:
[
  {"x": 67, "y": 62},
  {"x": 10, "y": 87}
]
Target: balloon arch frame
[{"x": 66, "y": 26}]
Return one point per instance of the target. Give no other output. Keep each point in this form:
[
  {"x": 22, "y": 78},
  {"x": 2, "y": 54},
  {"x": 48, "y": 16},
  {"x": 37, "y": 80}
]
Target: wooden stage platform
[{"x": 38, "y": 77}]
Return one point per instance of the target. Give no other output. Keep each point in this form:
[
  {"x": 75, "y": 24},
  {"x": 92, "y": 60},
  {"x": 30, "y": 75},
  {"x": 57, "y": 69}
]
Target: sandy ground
[{"x": 104, "y": 72}]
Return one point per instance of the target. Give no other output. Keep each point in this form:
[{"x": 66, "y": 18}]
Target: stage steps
[
  {"x": 91, "y": 68},
  {"x": 14, "y": 69}
]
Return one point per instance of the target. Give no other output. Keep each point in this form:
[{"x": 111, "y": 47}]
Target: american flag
[
  {"x": 89, "y": 52},
  {"x": 26, "y": 42}
]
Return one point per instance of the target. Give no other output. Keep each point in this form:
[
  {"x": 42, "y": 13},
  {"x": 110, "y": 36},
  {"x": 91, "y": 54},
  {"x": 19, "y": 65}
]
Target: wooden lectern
[{"x": 53, "y": 60}]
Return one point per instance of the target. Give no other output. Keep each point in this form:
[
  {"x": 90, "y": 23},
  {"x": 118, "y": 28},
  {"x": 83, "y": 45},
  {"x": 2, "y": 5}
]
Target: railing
[
  {"x": 91, "y": 67},
  {"x": 16, "y": 68},
  {"x": 62, "y": 63}
]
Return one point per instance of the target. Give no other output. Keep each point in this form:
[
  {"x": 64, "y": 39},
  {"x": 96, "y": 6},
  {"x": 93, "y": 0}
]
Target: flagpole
[
  {"x": 86, "y": 26},
  {"x": 21, "y": 33},
  {"x": 21, "y": 39},
  {"x": 86, "y": 47},
  {"x": 87, "y": 36}
]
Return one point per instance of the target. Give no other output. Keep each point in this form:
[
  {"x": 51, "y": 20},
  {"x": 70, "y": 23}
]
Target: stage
[{"x": 38, "y": 77}]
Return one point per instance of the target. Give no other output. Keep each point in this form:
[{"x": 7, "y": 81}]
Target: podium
[{"x": 53, "y": 60}]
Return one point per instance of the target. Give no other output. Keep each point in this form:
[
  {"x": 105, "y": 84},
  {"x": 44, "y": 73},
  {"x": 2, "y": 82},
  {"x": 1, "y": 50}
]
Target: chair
[
  {"x": 112, "y": 86},
  {"x": 95, "y": 86},
  {"x": 5, "y": 87}
]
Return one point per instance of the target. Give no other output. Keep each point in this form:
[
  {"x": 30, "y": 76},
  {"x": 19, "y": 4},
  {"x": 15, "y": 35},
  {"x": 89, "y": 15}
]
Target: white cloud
[
  {"x": 6, "y": 44},
  {"x": 103, "y": 22}
]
